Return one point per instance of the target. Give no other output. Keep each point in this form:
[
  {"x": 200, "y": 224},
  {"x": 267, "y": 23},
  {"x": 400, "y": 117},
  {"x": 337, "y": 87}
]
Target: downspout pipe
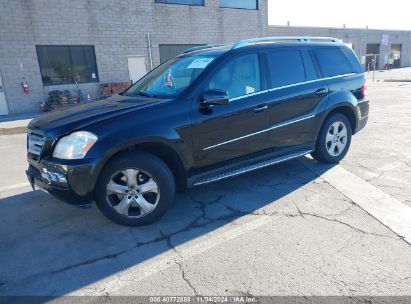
[{"x": 150, "y": 54}]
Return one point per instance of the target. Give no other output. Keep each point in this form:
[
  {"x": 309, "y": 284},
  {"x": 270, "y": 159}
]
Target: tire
[
  {"x": 327, "y": 139},
  {"x": 135, "y": 189}
]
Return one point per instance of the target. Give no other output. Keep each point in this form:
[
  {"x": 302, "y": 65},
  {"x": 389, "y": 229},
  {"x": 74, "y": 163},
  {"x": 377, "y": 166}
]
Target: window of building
[
  {"x": 168, "y": 51},
  {"x": 238, "y": 77},
  {"x": 333, "y": 62},
  {"x": 186, "y": 2},
  {"x": 244, "y": 4},
  {"x": 67, "y": 64},
  {"x": 286, "y": 67}
]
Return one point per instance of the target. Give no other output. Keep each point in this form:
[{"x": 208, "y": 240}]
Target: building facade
[
  {"x": 48, "y": 45},
  {"x": 368, "y": 44},
  {"x": 51, "y": 44}
]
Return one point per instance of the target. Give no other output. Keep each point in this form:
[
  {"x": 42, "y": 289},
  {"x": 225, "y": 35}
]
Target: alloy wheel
[
  {"x": 336, "y": 138},
  {"x": 132, "y": 193}
]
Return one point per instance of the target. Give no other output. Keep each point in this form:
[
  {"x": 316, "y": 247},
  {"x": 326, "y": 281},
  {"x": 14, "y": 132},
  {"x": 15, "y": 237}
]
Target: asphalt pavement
[{"x": 298, "y": 228}]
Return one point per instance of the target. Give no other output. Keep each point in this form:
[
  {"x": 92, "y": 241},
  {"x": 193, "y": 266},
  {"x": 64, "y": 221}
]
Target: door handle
[
  {"x": 320, "y": 92},
  {"x": 260, "y": 109}
]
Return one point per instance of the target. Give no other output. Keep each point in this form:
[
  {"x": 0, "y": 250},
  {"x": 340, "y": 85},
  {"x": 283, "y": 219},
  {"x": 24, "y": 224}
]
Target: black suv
[{"x": 210, "y": 113}]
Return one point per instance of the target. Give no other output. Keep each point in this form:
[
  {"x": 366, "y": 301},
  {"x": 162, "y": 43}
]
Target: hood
[{"x": 63, "y": 121}]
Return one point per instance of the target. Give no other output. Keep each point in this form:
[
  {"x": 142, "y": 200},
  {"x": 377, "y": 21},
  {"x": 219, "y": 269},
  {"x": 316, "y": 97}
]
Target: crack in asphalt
[
  {"x": 192, "y": 225},
  {"x": 389, "y": 186},
  {"x": 352, "y": 227},
  {"x": 234, "y": 214},
  {"x": 202, "y": 206},
  {"x": 344, "y": 199},
  {"x": 179, "y": 263},
  {"x": 300, "y": 213},
  {"x": 380, "y": 174},
  {"x": 303, "y": 214},
  {"x": 400, "y": 237},
  {"x": 91, "y": 261},
  {"x": 349, "y": 201},
  {"x": 360, "y": 165}
]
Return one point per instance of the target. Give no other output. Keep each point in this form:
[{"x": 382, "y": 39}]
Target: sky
[{"x": 395, "y": 15}]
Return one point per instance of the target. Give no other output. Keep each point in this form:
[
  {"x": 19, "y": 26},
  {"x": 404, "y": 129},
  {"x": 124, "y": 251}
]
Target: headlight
[{"x": 75, "y": 145}]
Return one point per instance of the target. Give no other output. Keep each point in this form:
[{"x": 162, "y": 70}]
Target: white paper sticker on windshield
[
  {"x": 249, "y": 90},
  {"x": 200, "y": 63}
]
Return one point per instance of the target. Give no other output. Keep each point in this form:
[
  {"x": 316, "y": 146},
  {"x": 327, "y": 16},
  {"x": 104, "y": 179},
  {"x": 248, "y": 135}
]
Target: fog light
[
  {"x": 50, "y": 176},
  {"x": 61, "y": 178}
]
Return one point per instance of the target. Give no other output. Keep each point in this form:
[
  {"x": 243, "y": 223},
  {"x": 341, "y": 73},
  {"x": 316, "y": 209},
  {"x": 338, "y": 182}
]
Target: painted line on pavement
[
  {"x": 389, "y": 211},
  {"x": 167, "y": 259},
  {"x": 382, "y": 206},
  {"x": 13, "y": 187}
]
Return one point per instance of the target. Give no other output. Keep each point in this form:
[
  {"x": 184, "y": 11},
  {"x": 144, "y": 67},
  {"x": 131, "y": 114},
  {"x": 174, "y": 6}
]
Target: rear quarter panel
[{"x": 344, "y": 92}]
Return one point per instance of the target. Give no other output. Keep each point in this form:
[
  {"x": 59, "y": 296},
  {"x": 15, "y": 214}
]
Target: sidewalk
[
  {"x": 15, "y": 124},
  {"x": 394, "y": 75}
]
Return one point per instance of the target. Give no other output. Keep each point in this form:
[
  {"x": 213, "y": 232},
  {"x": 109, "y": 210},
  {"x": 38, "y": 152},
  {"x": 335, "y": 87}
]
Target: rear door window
[
  {"x": 286, "y": 67},
  {"x": 310, "y": 70},
  {"x": 333, "y": 62}
]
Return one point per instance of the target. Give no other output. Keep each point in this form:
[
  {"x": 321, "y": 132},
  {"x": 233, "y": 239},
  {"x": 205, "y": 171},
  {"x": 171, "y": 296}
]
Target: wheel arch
[
  {"x": 163, "y": 151},
  {"x": 346, "y": 109}
]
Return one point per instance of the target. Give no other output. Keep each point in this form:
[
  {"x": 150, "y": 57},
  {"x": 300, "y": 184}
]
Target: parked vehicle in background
[{"x": 210, "y": 113}]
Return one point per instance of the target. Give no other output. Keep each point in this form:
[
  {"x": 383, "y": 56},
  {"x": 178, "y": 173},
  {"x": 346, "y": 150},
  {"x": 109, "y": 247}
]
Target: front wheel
[
  {"x": 333, "y": 140},
  {"x": 135, "y": 189}
]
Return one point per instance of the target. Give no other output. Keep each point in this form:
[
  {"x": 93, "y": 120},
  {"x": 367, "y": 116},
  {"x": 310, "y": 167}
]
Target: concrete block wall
[
  {"x": 117, "y": 29},
  {"x": 180, "y": 24}
]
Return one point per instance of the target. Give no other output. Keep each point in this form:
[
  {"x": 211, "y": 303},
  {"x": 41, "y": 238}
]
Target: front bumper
[{"x": 71, "y": 181}]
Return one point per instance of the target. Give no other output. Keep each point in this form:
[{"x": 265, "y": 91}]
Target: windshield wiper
[{"x": 142, "y": 93}]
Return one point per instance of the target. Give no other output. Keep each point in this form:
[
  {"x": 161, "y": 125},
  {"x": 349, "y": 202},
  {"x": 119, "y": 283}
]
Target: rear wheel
[
  {"x": 135, "y": 189},
  {"x": 333, "y": 140}
]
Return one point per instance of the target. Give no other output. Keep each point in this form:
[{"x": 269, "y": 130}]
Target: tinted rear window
[
  {"x": 333, "y": 62},
  {"x": 286, "y": 67},
  {"x": 310, "y": 71},
  {"x": 352, "y": 57}
]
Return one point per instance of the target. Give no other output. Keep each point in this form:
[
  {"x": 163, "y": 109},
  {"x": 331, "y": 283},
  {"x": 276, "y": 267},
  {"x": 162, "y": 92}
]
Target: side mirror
[{"x": 215, "y": 97}]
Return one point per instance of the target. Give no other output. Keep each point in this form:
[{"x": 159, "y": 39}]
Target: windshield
[{"x": 171, "y": 78}]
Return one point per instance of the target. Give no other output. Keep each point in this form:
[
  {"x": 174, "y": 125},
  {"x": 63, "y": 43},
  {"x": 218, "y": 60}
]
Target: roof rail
[
  {"x": 200, "y": 47},
  {"x": 245, "y": 42}
]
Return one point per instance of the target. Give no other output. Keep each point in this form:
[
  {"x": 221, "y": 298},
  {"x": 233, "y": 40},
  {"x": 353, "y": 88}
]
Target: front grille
[{"x": 35, "y": 143}]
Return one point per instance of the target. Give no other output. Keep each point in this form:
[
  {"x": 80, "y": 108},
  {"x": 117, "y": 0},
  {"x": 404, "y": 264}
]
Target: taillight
[{"x": 364, "y": 90}]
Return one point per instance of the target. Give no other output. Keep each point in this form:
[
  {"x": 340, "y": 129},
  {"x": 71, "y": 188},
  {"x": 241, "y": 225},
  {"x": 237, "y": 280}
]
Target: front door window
[{"x": 239, "y": 77}]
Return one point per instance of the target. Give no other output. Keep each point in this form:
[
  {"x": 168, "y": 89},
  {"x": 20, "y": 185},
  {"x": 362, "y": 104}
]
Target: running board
[{"x": 247, "y": 168}]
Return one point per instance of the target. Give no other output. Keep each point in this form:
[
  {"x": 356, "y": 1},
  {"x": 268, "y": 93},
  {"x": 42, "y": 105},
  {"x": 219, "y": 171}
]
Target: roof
[{"x": 218, "y": 49}]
